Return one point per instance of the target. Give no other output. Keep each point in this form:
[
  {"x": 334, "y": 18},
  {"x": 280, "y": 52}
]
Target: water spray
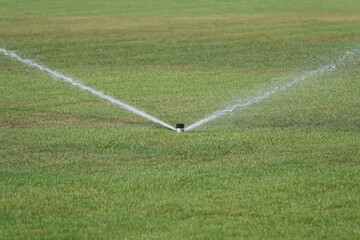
[
  {"x": 71, "y": 81},
  {"x": 265, "y": 94},
  {"x": 180, "y": 126}
]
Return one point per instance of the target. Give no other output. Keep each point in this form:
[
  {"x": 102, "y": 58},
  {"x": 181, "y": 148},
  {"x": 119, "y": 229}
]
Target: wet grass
[{"x": 75, "y": 166}]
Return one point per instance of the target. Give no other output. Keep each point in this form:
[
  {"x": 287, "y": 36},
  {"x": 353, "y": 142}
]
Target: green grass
[
  {"x": 75, "y": 166},
  {"x": 199, "y": 7}
]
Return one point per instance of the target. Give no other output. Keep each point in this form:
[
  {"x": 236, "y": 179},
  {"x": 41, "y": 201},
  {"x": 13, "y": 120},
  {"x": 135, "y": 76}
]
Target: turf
[{"x": 75, "y": 166}]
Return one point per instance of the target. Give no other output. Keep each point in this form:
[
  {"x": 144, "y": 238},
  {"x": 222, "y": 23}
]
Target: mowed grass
[{"x": 75, "y": 166}]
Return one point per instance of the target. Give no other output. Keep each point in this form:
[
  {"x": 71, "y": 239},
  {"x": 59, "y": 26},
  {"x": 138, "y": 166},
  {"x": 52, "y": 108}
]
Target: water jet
[{"x": 56, "y": 75}]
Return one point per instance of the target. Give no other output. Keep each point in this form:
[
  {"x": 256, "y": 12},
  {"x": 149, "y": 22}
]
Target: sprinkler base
[{"x": 180, "y": 127}]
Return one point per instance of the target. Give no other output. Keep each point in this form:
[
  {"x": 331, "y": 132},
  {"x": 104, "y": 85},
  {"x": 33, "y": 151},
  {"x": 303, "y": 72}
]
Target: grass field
[{"x": 73, "y": 166}]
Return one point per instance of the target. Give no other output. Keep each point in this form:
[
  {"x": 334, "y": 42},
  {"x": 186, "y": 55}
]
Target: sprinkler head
[{"x": 180, "y": 127}]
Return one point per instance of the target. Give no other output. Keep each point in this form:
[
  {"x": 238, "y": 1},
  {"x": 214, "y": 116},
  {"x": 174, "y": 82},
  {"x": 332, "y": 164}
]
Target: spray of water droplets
[
  {"x": 74, "y": 83},
  {"x": 250, "y": 101}
]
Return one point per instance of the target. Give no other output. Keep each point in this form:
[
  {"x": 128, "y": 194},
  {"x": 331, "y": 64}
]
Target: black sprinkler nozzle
[{"x": 180, "y": 127}]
